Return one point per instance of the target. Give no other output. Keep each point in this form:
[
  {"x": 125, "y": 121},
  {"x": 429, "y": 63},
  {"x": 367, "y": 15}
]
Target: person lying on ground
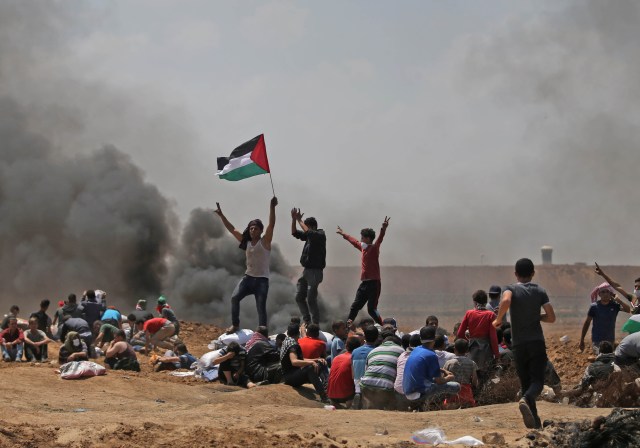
[
  {"x": 137, "y": 337},
  {"x": 465, "y": 372},
  {"x": 178, "y": 358},
  {"x": 599, "y": 370},
  {"x": 340, "y": 388},
  {"x": 297, "y": 370},
  {"x": 632, "y": 298},
  {"x": 73, "y": 349},
  {"x": 12, "y": 339},
  {"x": 36, "y": 342},
  {"x": 120, "y": 354}
]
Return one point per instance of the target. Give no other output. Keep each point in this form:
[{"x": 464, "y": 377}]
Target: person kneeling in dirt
[
  {"x": 179, "y": 358},
  {"x": 73, "y": 349},
  {"x": 263, "y": 360},
  {"x": 232, "y": 364},
  {"x": 423, "y": 380},
  {"x": 297, "y": 370},
  {"x": 599, "y": 370},
  {"x": 465, "y": 371},
  {"x": 120, "y": 354},
  {"x": 157, "y": 332}
]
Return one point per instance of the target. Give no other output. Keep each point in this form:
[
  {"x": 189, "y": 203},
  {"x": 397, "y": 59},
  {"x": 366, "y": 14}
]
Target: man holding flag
[
  {"x": 257, "y": 248},
  {"x": 248, "y": 160}
]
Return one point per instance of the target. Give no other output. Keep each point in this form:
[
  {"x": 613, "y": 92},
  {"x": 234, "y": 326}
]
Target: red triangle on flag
[{"x": 259, "y": 154}]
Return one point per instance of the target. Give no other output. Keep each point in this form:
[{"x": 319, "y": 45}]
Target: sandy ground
[{"x": 156, "y": 409}]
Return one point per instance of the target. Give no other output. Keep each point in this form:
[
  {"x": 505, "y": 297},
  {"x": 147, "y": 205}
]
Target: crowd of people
[{"x": 371, "y": 365}]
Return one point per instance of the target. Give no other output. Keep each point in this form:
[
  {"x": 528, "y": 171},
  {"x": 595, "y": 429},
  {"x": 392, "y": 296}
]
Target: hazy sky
[{"x": 484, "y": 129}]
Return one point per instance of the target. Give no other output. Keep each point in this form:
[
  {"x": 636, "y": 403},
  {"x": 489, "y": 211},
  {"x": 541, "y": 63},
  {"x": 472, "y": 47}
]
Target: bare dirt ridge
[{"x": 157, "y": 409}]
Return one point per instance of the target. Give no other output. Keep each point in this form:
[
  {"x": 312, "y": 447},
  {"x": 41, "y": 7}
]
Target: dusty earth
[{"x": 156, "y": 409}]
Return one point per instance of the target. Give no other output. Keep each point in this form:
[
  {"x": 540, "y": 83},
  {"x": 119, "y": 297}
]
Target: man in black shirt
[
  {"x": 44, "y": 321},
  {"x": 313, "y": 260}
]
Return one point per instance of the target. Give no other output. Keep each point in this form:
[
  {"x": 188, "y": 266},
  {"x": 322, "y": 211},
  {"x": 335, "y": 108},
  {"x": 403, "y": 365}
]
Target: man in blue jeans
[
  {"x": 423, "y": 379},
  {"x": 257, "y": 248},
  {"x": 524, "y": 300},
  {"x": 312, "y": 259}
]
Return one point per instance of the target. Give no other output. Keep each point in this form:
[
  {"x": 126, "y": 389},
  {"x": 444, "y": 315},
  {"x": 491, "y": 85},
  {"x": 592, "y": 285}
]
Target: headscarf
[
  {"x": 286, "y": 345},
  {"x": 255, "y": 337},
  {"x": 596, "y": 290},
  {"x": 68, "y": 342},
  {"x": 245, "y": 235}
]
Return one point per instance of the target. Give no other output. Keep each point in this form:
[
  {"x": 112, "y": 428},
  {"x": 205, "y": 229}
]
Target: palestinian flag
[
  {"x": 632, "y": 325},
  {"x": 247, "y": 160}
]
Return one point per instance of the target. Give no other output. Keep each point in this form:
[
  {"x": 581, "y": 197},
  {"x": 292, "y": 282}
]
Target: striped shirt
[
  {"x": 381, "y": 368},
  {"x": 462, "y": 368}
]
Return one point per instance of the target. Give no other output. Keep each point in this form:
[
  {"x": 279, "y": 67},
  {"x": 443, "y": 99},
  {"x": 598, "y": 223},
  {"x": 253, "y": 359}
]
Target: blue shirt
[
  {"x": 604, "y": 321},
  {"x": 420, "y": 370},
  {"x": 111, "y": 314},
  {"x": 337, "y": 345},
  {"x": 359, "y": 360}
]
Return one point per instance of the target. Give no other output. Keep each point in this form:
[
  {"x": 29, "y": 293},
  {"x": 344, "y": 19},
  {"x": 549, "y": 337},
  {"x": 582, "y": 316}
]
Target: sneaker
[
  {"x": 7, "y": 359},
  {"x": 538, "y": 422},
  {"x": 18, "y": 360},
  {"x": 527, "y": 416},
  {"x": 357, "y": 402}
]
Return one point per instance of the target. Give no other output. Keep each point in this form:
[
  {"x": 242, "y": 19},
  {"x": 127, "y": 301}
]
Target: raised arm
[
  {"x": 615, "y": 285},
  {"x": 383, "y": 230},
  {"x": 354, "y": 242},
  {"x": 235, "y": 232},
  {"x": 268, "y": 233}
]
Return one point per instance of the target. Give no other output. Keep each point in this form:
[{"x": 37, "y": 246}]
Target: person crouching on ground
[
  {"x": 465, "y": 372},
  {"x": 12, "y": 339},
  {"x": 296, "y": 369},
  {"x": 120, "y": 354},
  {"x": 178, "y": 358},
  {"x": 73, "y": 349},
  {"x": 157, "y": 332},
  {"x": 36, "y": 342},
  {"x": 423, "y": 380}
]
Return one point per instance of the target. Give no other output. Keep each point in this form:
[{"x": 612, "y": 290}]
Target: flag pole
[{"x": 272, "y": 189}]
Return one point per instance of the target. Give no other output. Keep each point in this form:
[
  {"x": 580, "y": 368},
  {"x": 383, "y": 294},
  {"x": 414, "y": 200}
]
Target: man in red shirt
[
  {"x": 341, "y": 388},
  {"x": 483, "y": 339},
  {"x": 157, "y": 333},
  {"x": 12, "y": 339},
  {"x": 369, "y": 290},
  {"x": 312, "y": 346}
]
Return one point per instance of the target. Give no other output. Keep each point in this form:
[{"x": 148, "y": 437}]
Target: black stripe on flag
[
  {"x": 222, "y": 162},
  {"x": 245, "y": 148}
]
